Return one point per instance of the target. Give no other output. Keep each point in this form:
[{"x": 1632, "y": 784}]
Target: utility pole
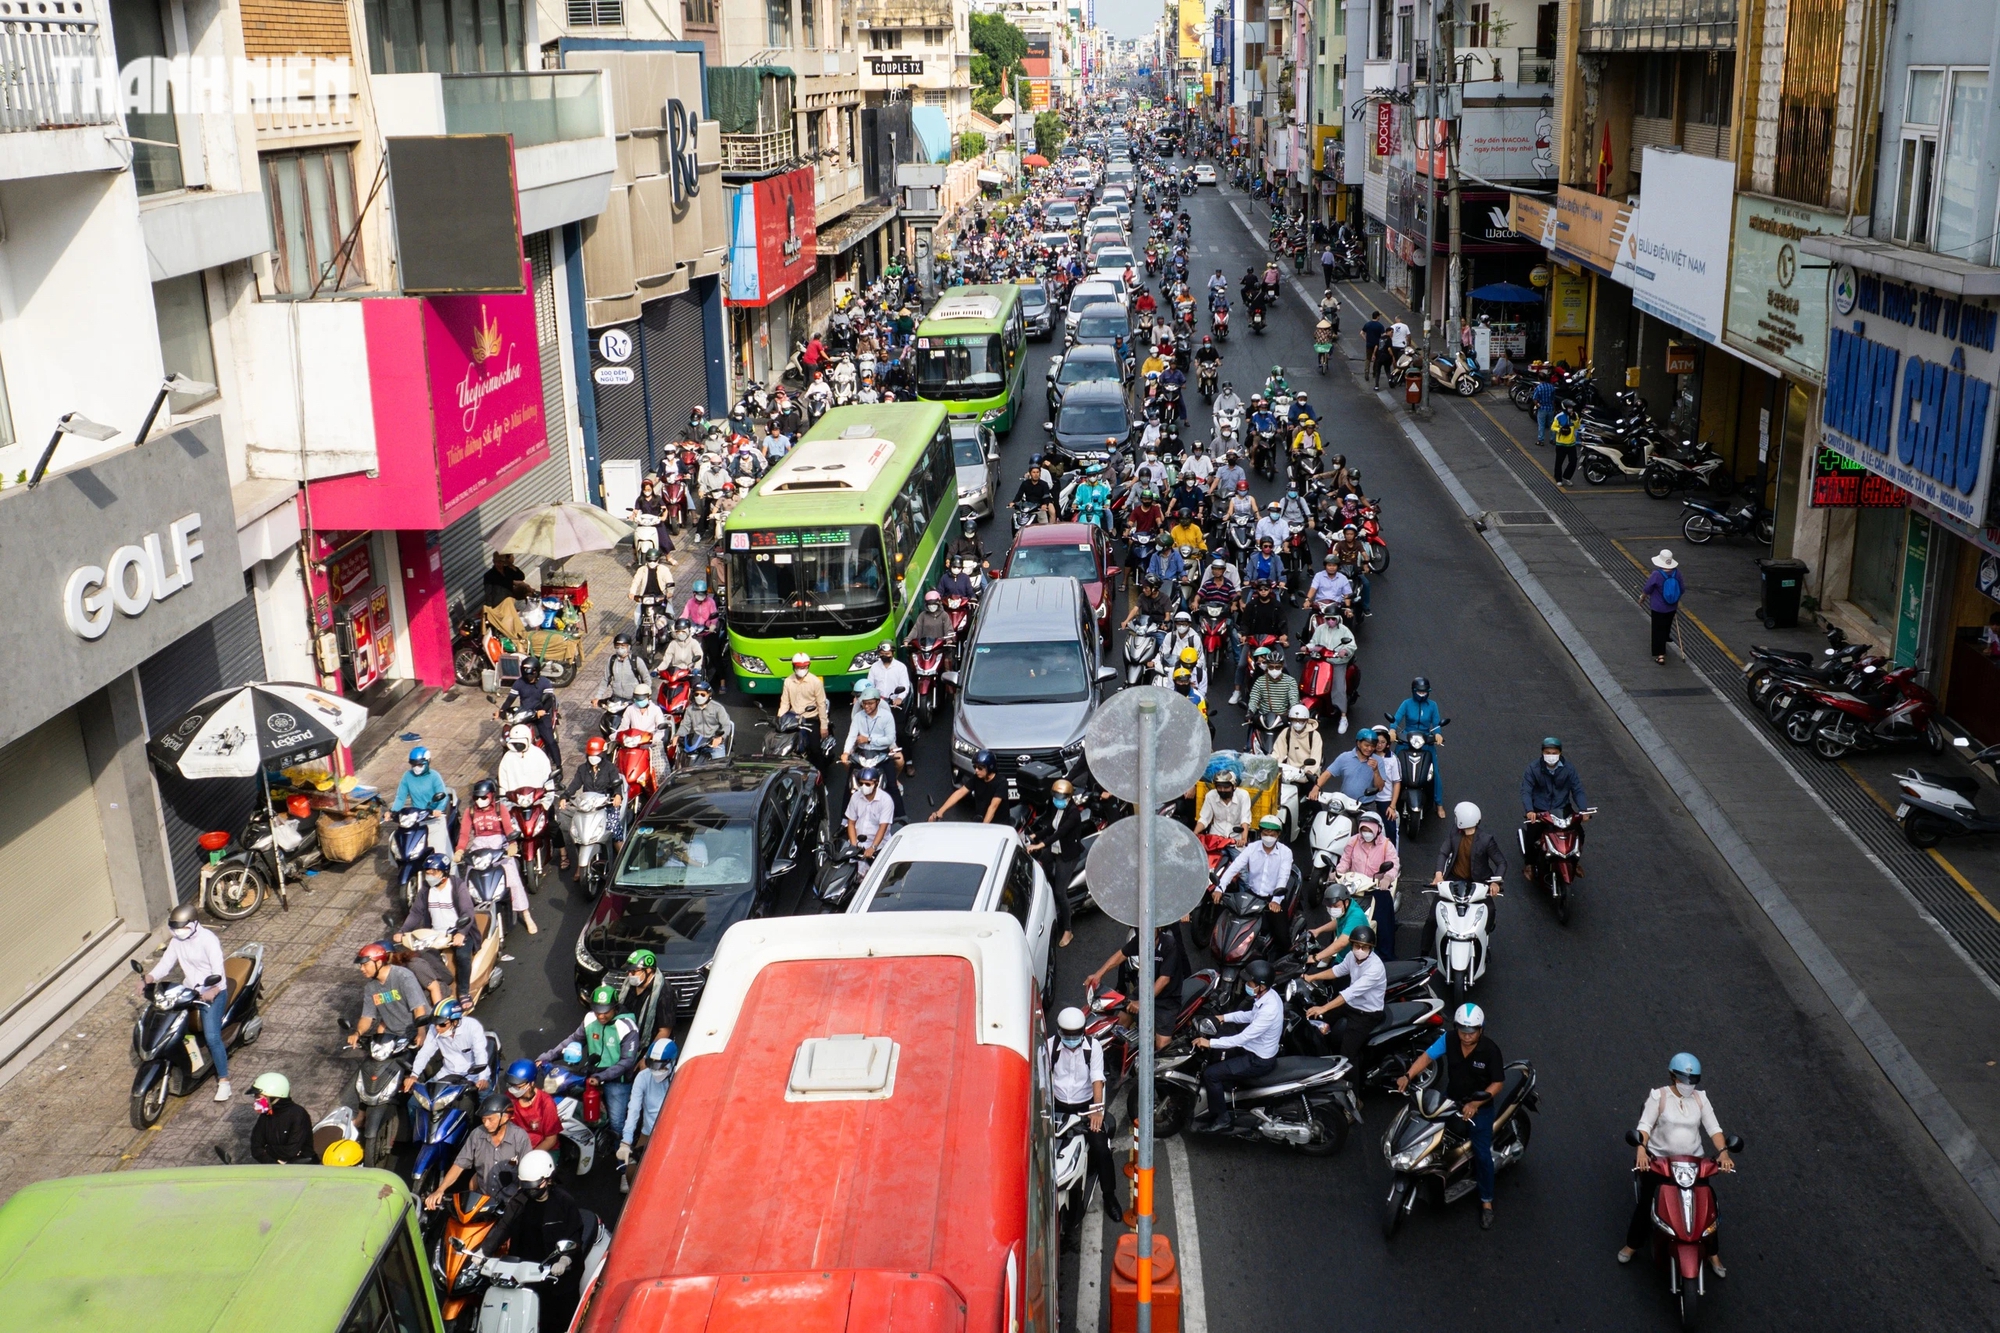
[
  {"x": 1454, "y": 304},
  {"x": 1427, "y": 146}
]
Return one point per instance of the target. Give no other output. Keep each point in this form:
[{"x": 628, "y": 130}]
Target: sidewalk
[
  {"x": 1903, "y": 945},
  {"x": 68, "y": 1111}
]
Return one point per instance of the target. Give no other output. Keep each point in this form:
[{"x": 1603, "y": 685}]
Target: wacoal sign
[{"x": 132, "y": 579}]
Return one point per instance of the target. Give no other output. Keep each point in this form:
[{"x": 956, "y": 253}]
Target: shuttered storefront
[
  {"x": 226, "y": 652},
  {"x": 676, "y": 380},
  {"x": 463, "y": 544},
  {"x": 58, "y": 896}
]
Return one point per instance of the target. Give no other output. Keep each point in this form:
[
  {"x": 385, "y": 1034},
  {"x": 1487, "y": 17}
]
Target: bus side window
[
  {"x": 392, "y": 1300},
  {"x": 940, "y": 474}
]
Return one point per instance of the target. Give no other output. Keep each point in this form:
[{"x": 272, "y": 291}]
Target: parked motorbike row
[{"x": 1847, "y": 699}]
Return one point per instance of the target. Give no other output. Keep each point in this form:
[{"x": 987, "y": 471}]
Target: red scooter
[
  {"x": 635, "y": 765},
  {"x": 676, "y": 692},
  {"x": 1557, "y": 854},
  {"x": 1898, "y": 711},
  {"x": 927, "y": 670},
  {"x": 1371, "y": 538},
  {"x": 676, "y": 501},
  {"x": 1212, "y": 621},
  {"x": 1316, "y": 677},
  {"x": 531, "y": 812},
  {"x": 1684, "y": 1221}
]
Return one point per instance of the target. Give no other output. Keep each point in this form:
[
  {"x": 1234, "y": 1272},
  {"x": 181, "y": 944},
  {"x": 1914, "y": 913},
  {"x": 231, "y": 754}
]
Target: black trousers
[
  {"x": 1565, "y": 466},
  {"x": 545, "y": 727},
  {"x": 1232, "y": 1071},
  {"x": 1663, "y": 630},
  {"x": 1060, "y": 871},
  {"x": 1351, "y": 1030},
  {"x": 1097, "y": 1145}
]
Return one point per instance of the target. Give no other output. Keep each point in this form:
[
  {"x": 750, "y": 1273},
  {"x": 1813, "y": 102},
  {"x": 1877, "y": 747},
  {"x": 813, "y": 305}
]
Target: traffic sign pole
[{"x": 1143, "y": 1205}]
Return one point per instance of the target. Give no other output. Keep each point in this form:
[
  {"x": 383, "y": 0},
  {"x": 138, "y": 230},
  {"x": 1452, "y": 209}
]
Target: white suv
[{"x": 964, "y": 868}]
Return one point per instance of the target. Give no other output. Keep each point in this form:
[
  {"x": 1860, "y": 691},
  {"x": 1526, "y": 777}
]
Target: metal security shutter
[
  {"x": 621, "y": 408},
  {"x": 463, "y": 544},
  {"x": 676, "y": 379},
  {"x": 226, "y": 652},
  {"x": 51, "y": 855}
]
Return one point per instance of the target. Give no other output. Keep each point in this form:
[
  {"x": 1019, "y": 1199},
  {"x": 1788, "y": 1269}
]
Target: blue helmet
[
  {"x": 1685, "y": 1067},
  {"x": 438, "y": 861},
  {"x": 521, "y": 1071},
  {"x": 984, "y": 759},
  {"x": 448, "y": 1011},
  {"x": 420, "y": 754},
  {"x": 701, "y": 585},
  {"x": 663, "y": 1051}
]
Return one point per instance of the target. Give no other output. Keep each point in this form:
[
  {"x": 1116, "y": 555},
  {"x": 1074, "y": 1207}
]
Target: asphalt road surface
[{"x": 1842, "y": 1215}]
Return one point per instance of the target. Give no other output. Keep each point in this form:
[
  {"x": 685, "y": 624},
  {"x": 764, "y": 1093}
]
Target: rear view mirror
[
  {"x": 1105, "y": 674},
  {"x": 1733, "y": 1143},
  {"x": 136, "y": 968},
  {"x": 1049, "y": 426},
  {"x": 782, "y": 868}
]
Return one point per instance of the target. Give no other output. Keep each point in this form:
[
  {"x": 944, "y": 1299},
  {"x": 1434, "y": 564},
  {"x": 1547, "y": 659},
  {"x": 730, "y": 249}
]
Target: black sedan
[
  {"x": 1093, "y": 423},
  {"x": 719, "y": 845}
]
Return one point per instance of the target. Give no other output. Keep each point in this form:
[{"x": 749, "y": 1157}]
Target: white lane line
[
  {"x": 1090, "y": 1271},
  {"x": 1187, "y": 1253}
]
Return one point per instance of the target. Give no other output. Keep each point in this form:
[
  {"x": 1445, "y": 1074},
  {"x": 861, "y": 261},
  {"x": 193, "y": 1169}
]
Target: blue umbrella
[{"x": 1507, "y": 293}]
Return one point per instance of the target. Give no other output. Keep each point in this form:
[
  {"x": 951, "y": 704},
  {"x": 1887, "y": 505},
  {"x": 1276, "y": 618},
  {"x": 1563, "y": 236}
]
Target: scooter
[
  {"x": 1305, "y": 1102},
  {"x": 1897, "y": 712},
  {"x": 441, "y": 1115},
  {"x": 410, "y": 843},
  {"x": 168, "y": 1041},
  {"x": 376, "y": 1097},
  {"x": 1430, "y": 1155},
  {"x": 531, "y": 812},
  {"x": 1257, "y": 320},
  {"x": 1073, "y": 1179},
  {"x": 586, "y": 822},
  {"x": 1316, "y": 677},
  {"x": 1418, "y": 768},
  {"x": 510, "y": 1303},
  {"x": 635, "y": 765},
  {"x": 1334, "y": 821},
  {"x": 1603, "y": 457},
  {"x": 580, "y": 1104},
  {"x": 1411, "y": 1020},
  {"x": 1142, "y": 649},
  {"x": 1263, "y": 732},
  {"x": 1684, "y": 469},
  {"x": 1291, "y": 779},
  {"x": 1703, "y": 523},
  {"x": 840, "y": 872},
  {"x": 645, "y": 535},
  {"x": 1684, "y": 1219},
  {"x": 1454, "y": 372},
  {"x": 927, "y": 667},
  {"x": 241, "y": 871},
  {"x": 1462, "y": 943},
  {"x": 1936, "y": 806},
  {"x": 1557, "y": 856}
]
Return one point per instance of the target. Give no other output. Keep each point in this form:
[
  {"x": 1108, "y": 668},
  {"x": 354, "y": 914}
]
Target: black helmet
[
  {"x": 1363, "y": 935},
  {"x": 622, "y": 641},
  {"x": 530, "y": 669},
  {"x": 1258, "y": 971},
  {"x": 1420, "y": 687},
  {"x": 484, "y": 787},
  {"x": 499, "y": 1103}
]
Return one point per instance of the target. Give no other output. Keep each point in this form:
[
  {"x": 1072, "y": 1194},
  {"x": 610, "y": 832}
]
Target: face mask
[
  {"x": 624, "y": 652},
  {"x": 1274, "y": 672},
  {"x": 263, "y": 1106},
  {"x": 1368, "y": 835},
  {"x": 418, "y": 769},
  {"x": 1684, "y": 1089},
  {"x": 1270, "y": 840},
  {"x": 434, "y": 880},
  {"x": 484, "y": 801},
  {"x": 1552, "y": 759},
  {"x": 1072, "y": 1042},
  {"x": 1061, "y": 802},
  {"x": 801, "y": 672},
  {"x": 184, "y": 933},
  {"x": 1299, "y": 727}
]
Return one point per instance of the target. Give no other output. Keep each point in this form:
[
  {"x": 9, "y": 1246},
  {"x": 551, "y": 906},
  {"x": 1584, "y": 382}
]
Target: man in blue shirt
[
  {"x": 1355, "y": 772},
  {"x": 1545, "y": 409},
  {"x": 421, "y": 788},
  {"x": 1418, "y": 713}
]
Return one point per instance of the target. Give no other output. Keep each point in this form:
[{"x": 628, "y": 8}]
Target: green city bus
[
  {"x": 972, "y": 353},
  {"x": 832, "y": 550}
]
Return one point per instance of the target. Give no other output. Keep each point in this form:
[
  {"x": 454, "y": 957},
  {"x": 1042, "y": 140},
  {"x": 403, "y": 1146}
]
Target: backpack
[{"x": 1670, "y": 588}]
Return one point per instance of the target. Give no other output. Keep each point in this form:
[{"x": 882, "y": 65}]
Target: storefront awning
[
  {"x": 844, "y": 235},
  {"x": 1941, "y": 272}
]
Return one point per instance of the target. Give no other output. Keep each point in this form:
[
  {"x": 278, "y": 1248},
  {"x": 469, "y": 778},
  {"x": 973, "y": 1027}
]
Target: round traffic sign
[
  {"x": 1180, "y": 870},
  {"x": 1180, "y": 743}
]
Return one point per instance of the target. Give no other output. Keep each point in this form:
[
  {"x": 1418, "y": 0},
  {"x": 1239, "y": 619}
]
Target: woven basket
[{"x": 347, "y": 840}]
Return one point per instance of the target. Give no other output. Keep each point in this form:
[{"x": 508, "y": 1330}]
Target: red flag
[{"x": 1604, "y": 160}]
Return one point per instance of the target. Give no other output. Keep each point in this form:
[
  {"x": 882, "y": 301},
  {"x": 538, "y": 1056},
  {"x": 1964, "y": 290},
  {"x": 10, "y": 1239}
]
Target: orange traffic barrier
[{"x": 1125, "y": 1286}]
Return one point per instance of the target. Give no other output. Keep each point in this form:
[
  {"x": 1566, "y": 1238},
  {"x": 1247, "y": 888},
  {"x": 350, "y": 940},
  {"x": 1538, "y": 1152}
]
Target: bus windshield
[
  {"x": 962, "y": 367},
  {"x": 807, "y": 578}
]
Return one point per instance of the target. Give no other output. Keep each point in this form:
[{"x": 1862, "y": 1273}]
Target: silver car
[
  {"x": 975, "y": 449},
  {"x": 1028, "y": 682}
]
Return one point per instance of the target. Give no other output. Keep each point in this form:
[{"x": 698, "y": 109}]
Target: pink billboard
[{"x": 486, "y": 394}]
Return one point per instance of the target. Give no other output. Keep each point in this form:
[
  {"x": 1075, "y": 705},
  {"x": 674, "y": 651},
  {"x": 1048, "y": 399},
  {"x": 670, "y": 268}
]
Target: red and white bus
[{"x": 855, "y": 1140}]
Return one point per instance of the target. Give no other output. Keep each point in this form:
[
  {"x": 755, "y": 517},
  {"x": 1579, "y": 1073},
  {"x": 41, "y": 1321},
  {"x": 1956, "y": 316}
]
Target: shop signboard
[
  {"x": 1569, "y": 303},
  {"x": 1507, "y": 143},
  {"x": 365, "y": 664},
  {"x": 773, "y": 244},
  {"x": 1680, "y": 358},
  {"x": 1777, "y": 296},
  {"x": 350, "y": 571},
  {"x": 486, "y": 394},
  {"x": 1582, "y": 226},
  {"x": 1675, "y": 255},
  {"x": 383, "y": 629},
  {"x": 1193, "y": 17},
  {"x": 1385, "y": 130},
  {"x": 1910, "y": 602},
  {"x": 1838, "y": 482},
  {"x": 1910, "y": 376}
]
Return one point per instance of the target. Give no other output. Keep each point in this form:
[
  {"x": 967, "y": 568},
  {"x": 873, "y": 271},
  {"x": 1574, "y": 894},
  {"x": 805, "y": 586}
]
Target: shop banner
[
  {"x": 773, "y": 244},
  {"x": 486, "y": 394},
  {"x": 1385, "y": 130},
  {"x": 1910, "y": 376},
  {"x": 1193, "y": 18},
  {"x": 1326, "y": 146},
  {"x": 1676, "y": 252},
  {"x": 1777, "y": 305},
  {"x": 1507, "y": 143},
  {"x": 1586, "y": 227}
]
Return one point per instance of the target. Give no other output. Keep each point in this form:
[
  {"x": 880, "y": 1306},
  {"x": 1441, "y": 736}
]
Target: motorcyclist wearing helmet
[
  {"x": 392, "y": 999},
  {"x": 1037, "y": 493},
  {"x": 491, "y": 1155},
  {"x": 422, "y": 788},
  {"x": 981, "y": 790},
  {"x": 643, "y": 995},
  {"x": 532, "y": 1108},
  {"x": 891, "y": 678},
  {"x": 869, "y": 815},
  {"x": 1272, "y": 691},
  {"x": 626, "y": 675},
  {"x": 1076, "y": 1087},
  {"x": 197, "y": 952},
  {"x": 443, "y": 903},
  {"x": 1473, "y": 1072},
  {"x": 535, "y": 696},
  {"x": 1167, "y": 566},
  {"x": 1420, "y": 713},
  {"x": 458, "y": 1042},
  {"x": 523, "y": 766},
  {"x": 1265, "y": 866},
  {"x": 1224, "y": 818},
  {"x": 683, "y": 651},
  {"x": 1672, "y": 1125},
  {"x": 1206, "y": 356},
  {"x": 1253, "y": 1052},
  {"x": 283, "y": 1131},
  {"x": 1471, "y": 855},
  {"x": 933, "y": 622},
  {"x": 1275, "y": 383},
  {"x": 538, "y": 1218},
  {"x": 1230, "y": 481},
  {"x": 1263, "y": 616},
  {"x": 1294, "y": 510},
  {"x": 1271, "y": 525},
  {"x": 653, "y": 580},
  {"x": 490, "y": 824},
  {"x": 1149, "y": 600},
  {"x": 599, "y": 773},
  {"x": 1299, "y": 744},
  {"x": 1055, "y": 838},
  {"x": 706, "y": 723},
  {"x": 804, "y": 695},
  {"x": 649, "y": 1093},
  {"x": 611, "y": 1046},
  {"x": 1551, "y": 786},
  {"x": 1091, "y": 500},
  {"x": 1352, "y": 1016}
]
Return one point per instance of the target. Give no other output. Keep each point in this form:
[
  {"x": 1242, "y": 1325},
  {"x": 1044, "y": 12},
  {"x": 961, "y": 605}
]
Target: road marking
[
  {"x": 1194, "y": 1304},
  {"x": 1090, "y": 1272}
]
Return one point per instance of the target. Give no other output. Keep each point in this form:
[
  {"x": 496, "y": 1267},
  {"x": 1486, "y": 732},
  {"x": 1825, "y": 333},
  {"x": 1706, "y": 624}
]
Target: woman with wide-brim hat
[{"x": 1662, "y": 597}]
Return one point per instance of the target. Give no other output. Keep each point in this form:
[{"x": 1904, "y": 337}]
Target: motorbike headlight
[
  {"x": 751, "y": 666},
  {"x": 1407, "y": 1159},
  {"x": 1685, "y": 1174},
  {"x": 584, "y": 958},
  {"x": 862, "y": 661}
]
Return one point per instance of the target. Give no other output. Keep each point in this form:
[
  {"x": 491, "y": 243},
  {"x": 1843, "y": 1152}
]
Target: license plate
[{"x": 1902, "y": 811}]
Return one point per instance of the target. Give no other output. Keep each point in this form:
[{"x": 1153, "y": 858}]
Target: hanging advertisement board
[
  {"x": 1777, "y": 296},
  {"x": 1676, "y": 252}
]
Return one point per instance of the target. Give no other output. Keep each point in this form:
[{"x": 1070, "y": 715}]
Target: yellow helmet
[
  {"x": 342, "y": 1152},
  {"x": 1189, "y": 656},
  {"x": 1182, "y": 673}
]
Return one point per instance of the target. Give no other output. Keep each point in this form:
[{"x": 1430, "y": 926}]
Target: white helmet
[
  {"x": 1300, "y": 713},
  {"x": 536, "y": 1167},
  {"x": 519, "y": 737},
  {"x": 1070, "y": 1022},
  {"x": 1467, "y": 1015},
  {"x": 1465, "y": 815}
]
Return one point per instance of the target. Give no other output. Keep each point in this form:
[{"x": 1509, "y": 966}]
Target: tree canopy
[{"x": 997, "y": 47}]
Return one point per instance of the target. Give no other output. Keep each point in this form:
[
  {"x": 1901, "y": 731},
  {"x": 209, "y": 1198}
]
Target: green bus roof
[
  {"x": 943, "y": 321},
  {"x": 838, "y": 436},
  {"x": 198, "y": 1248}
]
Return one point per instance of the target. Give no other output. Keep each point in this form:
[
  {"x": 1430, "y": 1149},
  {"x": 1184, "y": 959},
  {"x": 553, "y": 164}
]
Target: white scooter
[
  {"x": 645, "y": 535},
  {"x": 1072, "y": 1173},
  {"x": 1332, "y": 828},
  {"x": 1461, "y": 935},
  {"x": 1291, "y": 777},
  {"x": 511, "y": 1304}
]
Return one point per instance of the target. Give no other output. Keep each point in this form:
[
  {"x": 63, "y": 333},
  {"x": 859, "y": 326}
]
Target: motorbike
[
  {"x": 1142, "y": 650},
  {"x": 1607, "y": 456},
  {"x": 1206, "y": 377},
  {"x": 1334, "y": 819},
  {"x": 376, "y": 1097},
  {"x": 1943, "y": 805},
  {"x": 1306, "y": 1102},
  {"x": 645, "y": 535},
  {"x": 654, "y": 626},
  {"x": 1692, "y": 466},
  {"x": 409, "y": 844},
  {"x": 1411, "y": 1021},
  {"x": 442, "y": 1112},
  {"x": 1242, "y": 926},
  {"x": 1025, "y": 514},
  {"x": 1430, "y": 1153},
  {"x": 635, "y": 765},
  {"x": 1257, "y": 320},
  {"x": 168, "y": 1042},
  {"x": 1211, "y": 621},
  {"x": 586, "y": 1127},
  {"x": 1896, "y": 712},
  {"x": 510, "y": 1303},
  {"x": 242, "y": 871},
  {"x": 1454, "y": 372},
  {"x": 1240, "y": 535},
  {"x": 1418, "y": 767},
  {"x": 586, "y": 822},
  {"x": 1684, "y": 1220},
  {"x": 1557, "y": 857},
  {"x": 927, "y": 668},
  {"x": 1264, "y": 729},
  {"x": 1462, "y": 941},
  {"x": 842, "y": 869},
  {"x": 1218, "y": 325},
  {"x": 674, "y": 692},
  {"x": 1703, "y": 523},
  {"x": 531, "y": 812}
]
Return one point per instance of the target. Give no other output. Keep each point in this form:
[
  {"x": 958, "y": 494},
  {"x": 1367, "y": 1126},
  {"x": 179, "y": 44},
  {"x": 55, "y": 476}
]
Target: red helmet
[
  {"x": 371, "y": 953},
  {"x": 1206, "y": 340},
  {"x": 1242, "y": 484},
  {"x": 595, "y": 745}
]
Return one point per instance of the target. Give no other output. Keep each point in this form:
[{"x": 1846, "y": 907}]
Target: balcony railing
[
  {"x": 535, "y": 106},
  {"x": 1535, "y": 68},
  {"x": 42, "y": 58},
  {"x": 1659, "y": 25},
  {"x": 756, "y": 154}
]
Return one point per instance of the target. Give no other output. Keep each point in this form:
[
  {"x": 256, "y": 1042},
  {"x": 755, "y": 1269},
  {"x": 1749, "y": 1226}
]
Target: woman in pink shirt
[{"x": 1369, "y": 852}]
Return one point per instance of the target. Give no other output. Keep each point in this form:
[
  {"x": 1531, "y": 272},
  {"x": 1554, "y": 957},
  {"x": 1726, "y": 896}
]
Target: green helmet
[
  {"x": 1552, "y": 743},
  {"x": 603, "y": 998},
  {"x": 272, "y": 1085},
  {"x": 642, "y": 958},
  {"x": 1277, "y": 372}
]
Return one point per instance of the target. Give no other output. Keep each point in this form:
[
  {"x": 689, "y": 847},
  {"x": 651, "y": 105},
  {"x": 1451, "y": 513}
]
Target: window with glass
[
  {"x": 138, "y": 32},
  {"x": 973, "y": 366},
  {"x": 809, "y": 21},
  {"x": 1959, "y": 230},
  {"x": 1479, "y": 25},
  {"x": 454, "y": 36},
  {"x": 700, "y": 853},
  {"x": 1097, "y": 417},
  {"x": 313, "y": 215},
  {"x": 1020, "y": 673},
  {"x": 1069, "y": 560},
  {"x": 886, "y": 40},
  {"x": 1916, "y": 159},
  {"x": 778, "y": 23},
  {"x": 929, "y": 886},
  {"x": 698, "y": 11},
  {"x": 807, "y": 578},
  {"x": 393, "y": 1298},
  {"x": 1654, "y": 97},
  {"x": 180, "y": 309}
]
